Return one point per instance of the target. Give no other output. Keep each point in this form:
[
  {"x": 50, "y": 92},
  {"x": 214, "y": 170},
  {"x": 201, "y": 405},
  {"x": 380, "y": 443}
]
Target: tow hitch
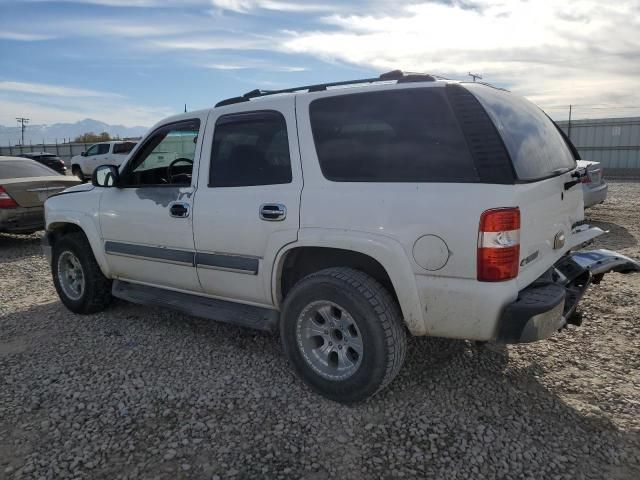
[{"x": 549, "y": 303}]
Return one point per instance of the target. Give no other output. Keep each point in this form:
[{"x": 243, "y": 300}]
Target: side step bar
[{"x": 210, "y": 308}]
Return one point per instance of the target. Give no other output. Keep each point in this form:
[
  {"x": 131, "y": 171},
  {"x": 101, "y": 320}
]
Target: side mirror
[
  {"x": 83, "y": 154},
  {"x": 105, "y": 176}
]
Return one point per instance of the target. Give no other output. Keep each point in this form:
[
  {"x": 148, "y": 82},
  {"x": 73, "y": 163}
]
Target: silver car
[
  {"x": 24, "y": 186},
  {"x": 594, "y": 187}
]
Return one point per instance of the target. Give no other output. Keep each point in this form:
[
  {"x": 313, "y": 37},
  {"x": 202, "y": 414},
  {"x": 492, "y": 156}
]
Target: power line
[{"x": 23, "y": 124}]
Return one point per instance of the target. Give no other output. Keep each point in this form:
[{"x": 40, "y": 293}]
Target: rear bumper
[
  {"x": 596, "y": 195},
  {"x": 21, "y": 220},
  {"x": 547, "y": 305}
]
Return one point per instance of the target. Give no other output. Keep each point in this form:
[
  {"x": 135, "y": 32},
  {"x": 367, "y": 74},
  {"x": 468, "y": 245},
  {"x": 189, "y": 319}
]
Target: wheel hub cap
[
  {"x": 329, "y": 340},
  {"x": 70, "y": 275}
]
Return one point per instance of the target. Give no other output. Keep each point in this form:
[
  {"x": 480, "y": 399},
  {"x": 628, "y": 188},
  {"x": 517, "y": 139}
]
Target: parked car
[
  {"x": 24, "y": 186},
  {"x": 594, "y": 187},
  {"x": 50, "y": 160},
  {"x": 428, "y": 206},
  {"x": 104, "y": 153}
]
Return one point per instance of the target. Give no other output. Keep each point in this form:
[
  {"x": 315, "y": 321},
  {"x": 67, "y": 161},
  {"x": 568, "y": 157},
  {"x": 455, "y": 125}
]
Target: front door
[
  {"x": 247, "y": 201},
  {"x": 147, "y": 222}
]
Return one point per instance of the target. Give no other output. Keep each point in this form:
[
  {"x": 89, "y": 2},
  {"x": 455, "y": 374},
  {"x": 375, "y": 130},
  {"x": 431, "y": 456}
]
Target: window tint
[
  {"x": 103, "y": 148},
  {"x": 124, "y": 147},
  {"x": 408, "y": 135},
  {"x": 536, "y": 147},
  {"x": 250, "y": 149},
  {"x": 166, "y": 157},
  {"x": 93, "y": 150},
  {"x": 23, "y": 169}
]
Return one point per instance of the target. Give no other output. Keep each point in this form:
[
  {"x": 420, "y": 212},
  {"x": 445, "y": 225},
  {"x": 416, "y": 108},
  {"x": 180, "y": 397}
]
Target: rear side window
[
  {"x": 122, "y": 148},
  {"x": 23, "y": 169},
  {"x": 103, "y": 148},
  {"x": 408, "y": 135},
  {"x": 536, "y": 147},
  {"x": 250, "y": 149}
]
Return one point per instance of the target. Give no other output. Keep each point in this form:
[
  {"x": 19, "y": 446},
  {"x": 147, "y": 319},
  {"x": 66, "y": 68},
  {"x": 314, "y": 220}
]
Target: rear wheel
[
  {"x": 77, "y": 277},
  {"x": 343, "y": 334}
]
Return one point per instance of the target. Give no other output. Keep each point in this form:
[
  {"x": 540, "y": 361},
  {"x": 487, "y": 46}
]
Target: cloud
[
  {"x": 44, "y": 103},
  {"x": 257, "y": 65},
  {"x": 556, "y": 52},
  {"x": 244, "y": 6},
  {"x": 53, "y": 90},
  {"x": 24, "y": 37}
]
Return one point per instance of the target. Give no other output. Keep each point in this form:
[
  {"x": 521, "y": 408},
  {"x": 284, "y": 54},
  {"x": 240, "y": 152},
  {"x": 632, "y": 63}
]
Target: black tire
[
  {"x": 77, "y": 172},
  {"x": 377, "y": 317},
  {"x": 96, "y": 294}
]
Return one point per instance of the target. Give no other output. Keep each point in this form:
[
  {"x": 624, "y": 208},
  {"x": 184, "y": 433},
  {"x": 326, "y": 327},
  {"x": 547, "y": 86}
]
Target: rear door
[
  {"x": 247, "y": 203},
  {"x": 546, "y": 191}
]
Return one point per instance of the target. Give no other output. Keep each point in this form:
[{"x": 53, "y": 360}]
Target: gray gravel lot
[{"x": 136, "y": 392}]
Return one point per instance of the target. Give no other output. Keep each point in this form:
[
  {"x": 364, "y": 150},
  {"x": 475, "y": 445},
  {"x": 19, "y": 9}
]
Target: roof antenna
[{"x": 474, "y": 76}]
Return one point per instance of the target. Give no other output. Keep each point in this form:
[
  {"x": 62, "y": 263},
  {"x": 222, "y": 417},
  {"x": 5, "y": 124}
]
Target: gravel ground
[{"x": 136, "y": 392}]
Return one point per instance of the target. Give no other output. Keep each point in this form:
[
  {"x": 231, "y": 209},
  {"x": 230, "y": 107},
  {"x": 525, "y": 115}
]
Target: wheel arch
[
  {"x": 380, "y": 257},
  {"x": 58, "y": 227}
]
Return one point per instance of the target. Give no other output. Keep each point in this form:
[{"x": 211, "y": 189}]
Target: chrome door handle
[
  {"x": 179, "y": 209},
  {"x": 273, "y": 212}
]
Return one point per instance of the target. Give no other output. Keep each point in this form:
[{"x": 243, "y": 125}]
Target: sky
[{"x": 133, "y": 62}]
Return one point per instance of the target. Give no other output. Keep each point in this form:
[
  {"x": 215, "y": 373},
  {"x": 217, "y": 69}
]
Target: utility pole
[
  {"x": 569, "y": 126},
  {"x": 474, "y": 76},
  {"x": 185, "y": 108},
  {"x": 23, "y": 124}
]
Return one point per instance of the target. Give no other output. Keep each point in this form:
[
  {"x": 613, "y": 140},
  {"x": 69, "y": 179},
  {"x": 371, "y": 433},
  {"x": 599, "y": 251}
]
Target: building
[{"x": 615, "y": 142}]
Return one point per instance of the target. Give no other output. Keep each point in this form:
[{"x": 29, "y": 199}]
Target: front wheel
[
  {"x": 77, "y": 277},
  {"x": 343, "y": 333}
]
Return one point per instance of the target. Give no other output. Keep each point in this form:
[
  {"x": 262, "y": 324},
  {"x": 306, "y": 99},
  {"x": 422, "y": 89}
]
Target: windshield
[
  {"x": 24, "y": 169},
  {"x": 536, "y": 147}
]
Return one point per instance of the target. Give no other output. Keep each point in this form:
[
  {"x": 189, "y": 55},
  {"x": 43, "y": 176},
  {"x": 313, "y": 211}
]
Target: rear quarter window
[
  {"x": 535, "y": 145},
  {"x": 408, "y": 135}
]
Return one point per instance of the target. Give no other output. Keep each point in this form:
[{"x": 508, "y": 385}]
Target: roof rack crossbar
[{"x": 397, "y": 75}]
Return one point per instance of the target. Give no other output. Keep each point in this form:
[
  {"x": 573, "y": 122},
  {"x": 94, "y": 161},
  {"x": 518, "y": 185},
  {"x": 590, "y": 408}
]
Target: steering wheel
[{"x": 171, "y": 165}]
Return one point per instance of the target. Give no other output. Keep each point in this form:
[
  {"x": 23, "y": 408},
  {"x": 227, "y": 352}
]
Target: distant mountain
[{"x": 60, "y": 131}]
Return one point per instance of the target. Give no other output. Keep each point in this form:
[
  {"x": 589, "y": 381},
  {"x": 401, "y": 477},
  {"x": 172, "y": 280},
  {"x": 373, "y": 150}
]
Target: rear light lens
[
  {"x": 5, "y": 199},
  {"x": 587, "y": 177},
  {"x": 499, "y": 244}
]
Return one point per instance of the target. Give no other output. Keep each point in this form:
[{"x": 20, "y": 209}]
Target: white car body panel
[{"x": 382, "y": 220}]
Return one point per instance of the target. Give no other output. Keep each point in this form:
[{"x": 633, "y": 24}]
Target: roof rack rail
[{"x": 398, "y": 75}]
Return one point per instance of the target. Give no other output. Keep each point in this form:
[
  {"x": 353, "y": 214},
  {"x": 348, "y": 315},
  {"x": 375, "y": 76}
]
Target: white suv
[
  {"x": 105, "y": 153},
  {"x": 343, "y": 215}
]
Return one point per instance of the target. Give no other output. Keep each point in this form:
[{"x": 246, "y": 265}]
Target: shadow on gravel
[
  {"x": 158, "y": 379},
  {"x": 617, "y": 238},
  {"x": 14, "y": 247}
]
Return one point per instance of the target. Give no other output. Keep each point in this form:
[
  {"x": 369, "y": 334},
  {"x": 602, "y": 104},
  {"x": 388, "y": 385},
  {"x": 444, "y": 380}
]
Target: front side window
[
  {"x": 93, "y": 150},
  {"x": 250, "y": 149},
  {"x": 408, "y": 135},
  {"x": 167, "y": 156}
]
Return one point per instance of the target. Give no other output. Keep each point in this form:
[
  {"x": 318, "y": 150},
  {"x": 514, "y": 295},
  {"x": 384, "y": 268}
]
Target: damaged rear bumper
[{"x": 548, "y": 304}]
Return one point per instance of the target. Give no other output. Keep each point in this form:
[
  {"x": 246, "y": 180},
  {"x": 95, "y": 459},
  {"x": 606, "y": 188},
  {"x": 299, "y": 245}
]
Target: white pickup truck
[
  {"x": 104, "y": 153},
  {"x": 345, "y": 215}
]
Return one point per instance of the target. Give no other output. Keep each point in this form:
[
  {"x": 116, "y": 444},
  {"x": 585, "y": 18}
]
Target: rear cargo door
[{"x": 546, "y": 191}]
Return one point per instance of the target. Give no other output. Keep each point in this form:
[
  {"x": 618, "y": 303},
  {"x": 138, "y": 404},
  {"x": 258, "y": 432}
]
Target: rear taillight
[
  {"x": 499, "y": 244},
  {"x": 5, "y": 199},
  {"x": 586, "y": 178}
]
